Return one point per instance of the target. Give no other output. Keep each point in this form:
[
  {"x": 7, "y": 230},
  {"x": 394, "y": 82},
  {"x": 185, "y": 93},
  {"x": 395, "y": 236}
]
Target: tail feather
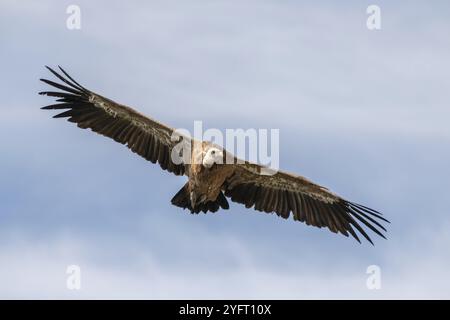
[{"x": 182, "y": 199}]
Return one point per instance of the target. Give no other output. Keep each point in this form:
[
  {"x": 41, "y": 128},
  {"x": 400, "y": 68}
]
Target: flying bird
[{"x": 210, "y": 180}]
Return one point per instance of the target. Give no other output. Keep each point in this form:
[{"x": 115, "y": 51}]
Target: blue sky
[{"x": 362, "y": 112}]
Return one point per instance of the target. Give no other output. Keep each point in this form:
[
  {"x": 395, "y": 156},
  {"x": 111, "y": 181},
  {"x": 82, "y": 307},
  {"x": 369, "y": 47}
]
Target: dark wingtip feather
[
  {"x": 64, "y": 114},
  {"x": 57, "y": 106},
  {"x": 361, "y": 213},
  {"x": 67, "y": 75},
  {"x": 49, "y": 69},
  {"x": 62, "y": 87},
  {"x": 69, "y": 81},
  {"x": 368, "y": 239},
  {"x": 354, "y": 235},
  {"x": 358, "y": 213},
  {"x": 357, "y": 238},
  {"x": 365, "y": 208}
]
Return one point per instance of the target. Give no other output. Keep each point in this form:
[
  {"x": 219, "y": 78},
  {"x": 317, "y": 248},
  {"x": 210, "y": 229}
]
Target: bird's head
[{"x": 212, "y": 155}]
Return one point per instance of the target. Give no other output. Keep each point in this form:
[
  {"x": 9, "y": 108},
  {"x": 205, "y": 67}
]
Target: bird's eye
[{"x": 213, "y": 152}]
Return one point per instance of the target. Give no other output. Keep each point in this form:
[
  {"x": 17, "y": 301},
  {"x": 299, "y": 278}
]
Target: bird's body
[
  {"x": 205, "y": 181},
  {"x": 211, "y": 179}
]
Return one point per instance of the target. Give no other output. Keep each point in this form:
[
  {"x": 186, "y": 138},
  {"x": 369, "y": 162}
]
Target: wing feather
[
  {"x": 144, "y": 136},
  {"x": 283, "y": 193}
]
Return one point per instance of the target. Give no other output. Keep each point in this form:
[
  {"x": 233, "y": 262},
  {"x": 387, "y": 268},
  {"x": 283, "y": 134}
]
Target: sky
[{"x": 363, "y": 112}]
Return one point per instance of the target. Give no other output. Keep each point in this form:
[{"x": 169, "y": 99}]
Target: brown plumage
[{"x": 210, "y": 181}]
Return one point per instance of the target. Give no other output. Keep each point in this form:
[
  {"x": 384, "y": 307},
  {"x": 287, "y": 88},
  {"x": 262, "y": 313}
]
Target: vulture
[{"x": 211, "y": 180}]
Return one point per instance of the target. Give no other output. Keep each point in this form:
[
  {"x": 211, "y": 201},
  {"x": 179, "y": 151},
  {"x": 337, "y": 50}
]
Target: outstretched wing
[
  {"x": 144, "y": 136},
  {"x": 284, "y": 193}
]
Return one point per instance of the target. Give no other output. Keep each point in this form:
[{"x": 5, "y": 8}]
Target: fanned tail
[{"x": 182, "y": 199}]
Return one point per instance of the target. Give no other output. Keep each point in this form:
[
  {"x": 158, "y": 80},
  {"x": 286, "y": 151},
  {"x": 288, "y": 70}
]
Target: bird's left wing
[
  {"x": 315, "y": 205},
  {"x": 144, "y": 136}
]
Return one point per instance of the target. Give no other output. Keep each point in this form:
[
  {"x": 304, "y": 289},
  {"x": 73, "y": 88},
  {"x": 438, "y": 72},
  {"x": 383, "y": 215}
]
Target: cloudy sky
[{"x": 362, "y": 112}]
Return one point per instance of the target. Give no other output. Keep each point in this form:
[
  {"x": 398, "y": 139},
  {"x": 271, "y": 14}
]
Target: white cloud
[{"x": 36, "y": 269}]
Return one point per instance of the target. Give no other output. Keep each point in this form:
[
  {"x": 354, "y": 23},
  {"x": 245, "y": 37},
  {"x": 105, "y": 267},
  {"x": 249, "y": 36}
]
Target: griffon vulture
[{"x": 210, "y": 181}]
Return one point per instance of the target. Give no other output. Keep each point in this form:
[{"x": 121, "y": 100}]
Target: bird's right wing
[{"x": 144, "y": 136}]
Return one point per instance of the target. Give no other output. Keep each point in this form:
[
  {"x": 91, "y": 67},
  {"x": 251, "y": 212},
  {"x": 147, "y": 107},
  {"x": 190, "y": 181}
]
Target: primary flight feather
[{"x": 210, "y": 180}]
